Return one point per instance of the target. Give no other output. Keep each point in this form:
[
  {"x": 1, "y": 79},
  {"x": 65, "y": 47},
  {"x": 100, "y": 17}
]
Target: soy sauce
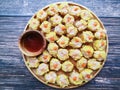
[{"x": 33, "y": 42}]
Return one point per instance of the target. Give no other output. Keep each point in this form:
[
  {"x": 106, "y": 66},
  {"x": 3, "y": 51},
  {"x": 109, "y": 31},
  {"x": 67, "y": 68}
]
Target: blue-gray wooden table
[{"x": 14, "y": 15}]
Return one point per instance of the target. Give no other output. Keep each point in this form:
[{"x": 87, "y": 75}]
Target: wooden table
[{"x": 14, "y": 15}]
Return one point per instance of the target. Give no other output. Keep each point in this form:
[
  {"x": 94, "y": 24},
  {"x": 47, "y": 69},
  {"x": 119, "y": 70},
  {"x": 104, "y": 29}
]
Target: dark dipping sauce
[{"x": 33, "y": 41}]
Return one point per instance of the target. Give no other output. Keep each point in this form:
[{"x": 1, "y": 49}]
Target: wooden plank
[
  {"x": 15, "y": 76},
  {"x": 102, "y": 8}
]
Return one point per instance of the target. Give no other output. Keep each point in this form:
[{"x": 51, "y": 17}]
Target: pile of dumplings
[{"x": 76, "y": 45}]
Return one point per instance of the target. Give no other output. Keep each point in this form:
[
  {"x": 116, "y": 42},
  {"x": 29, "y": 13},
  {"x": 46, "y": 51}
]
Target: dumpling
[
  {"x": 100, "y": 55},
  {"x": 63, "y": 41},
  {"x": 33, "y": 63},
  {"x": 34, "y": 24},
  {"x": 74, "y": 10},
  {"x": 99, "y": 44},
  {"x": 45, "y": 26},
  {"x": 75, "y": 78},
  {"x": 51, "y": 37},
  {"x": 75, "y": 54},
  {"x": 67, "y": 66},
  {"x": 93, "y": 64},
  {"x": 86, "y": 74},
  {"x": 76, "y": 42},
  {"x": 60, "y": 29},
  {"x": 53, "y": 49},
  {"x": 64, "y": 8},
  {"x": 87, "y": 36},
  {"x": 86, "y": 15},
  {"x": 81, "y": 25},
  {"x": 55, "y": 64},
  {"x": 42, "y": 15},
  {"x": 51, "y": 77},
  {"x": 56, "y": 19},
  {"x": 87, "y": 51},
  {"x": 100, "y": 34},
  {"x": 45, "y": 57},
  {"x": 63, "y": 54},
  {"x": 62, "y": 80},
  {"x": 81, "y": 64},
  {"x": 52, "y": 10},
  {"x": 93, "y": 25},
  {"x": 71, "y": 31},
  {"x": 42, "y": 69},
  {"x": 68, "y": 19}
]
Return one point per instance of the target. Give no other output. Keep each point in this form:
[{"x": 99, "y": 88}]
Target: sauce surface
[{"x": 33, "y": 42}]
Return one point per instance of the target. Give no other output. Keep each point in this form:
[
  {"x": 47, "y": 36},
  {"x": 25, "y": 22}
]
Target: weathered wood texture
[
  {"x": 106, "y": 8},
  {"x": 15, "y": 76}
]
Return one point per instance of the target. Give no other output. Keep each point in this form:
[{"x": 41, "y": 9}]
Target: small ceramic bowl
[{"x": 32, "y": 43}]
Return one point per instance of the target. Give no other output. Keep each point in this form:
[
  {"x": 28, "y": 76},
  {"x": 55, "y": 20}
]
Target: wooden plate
[{"x": 40, "y": 78}]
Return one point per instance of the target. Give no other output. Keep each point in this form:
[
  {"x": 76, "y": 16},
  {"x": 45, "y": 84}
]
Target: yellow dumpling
[
  {"x": 51, "y": 37},
  {"x": 63, "y": 54},
  {"x": 62, "y": 80},
  {"x": 86, "y": 15},
  {"x": 99, "y": 44},
  {"x": 68, "y": 19},
  {"x": 63, "y": 41},
  {"x": 87, "y": 51},
  {"x": 45, "y": 26},
  {"x": 100, "y": 34},
  {"x": 93, "y": 64},
  {"x": 81, "y": 64},
  {"x": 74, "y": 10},
  {"x": 53, "y": 49},
  {"x": 75, "y": 54},
  {"x": 53, "y": 9},
  {"x": 41, "y": 15},
  {"x": 51, "y": 77},
  {"x": 75, "y": 78},
  {"x": 60, "y": 29},
  {"x": 42, "y": 69},
  {"x": 67, "y": 66},
  {"x": 34, "y": 24},
  {"x": 55, "y": 64},
  {"x": 87, "y": 36},
  {"x": 64, "y": 8},
  {"x": 33, "y": 63},
  {"x": 81, "y": 25},
  {"x": 76, "y": 42},
  {"x": 93, "y": 25},
  {"x": 86, "y": 74},
  {"x": 100, "y": 55},
  {"x": 45, "y": 57},
  {"x": 56, "y": 19}
]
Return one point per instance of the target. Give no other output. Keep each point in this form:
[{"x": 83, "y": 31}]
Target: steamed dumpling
[
  {"x": 33, "y": 62},
  {"x": 51, "y": 77},
  {"x": 45, "y": 26},
  {"x": 42, "y": 69},
  {"x": 81, "y": 64},
  {"x": 64, "y": 8},
  {"x": 63, "y": 54},
  {"x": 60, "y": 29},
  {"x": 67, "y": 66},
  {"x": 74, "y": 10},
  {"x": 68, "y": 19},
  {"x": 62, "y": 80},
  {"x": 55, "y": 64},
  {"x": 93, "y": 64},
  {"x": 76, "y": 42},
  {"x": 75, "y": 54},
  {"x": 34, "y": 24},
  {"x": 75, "y": 78},
  {"x": 51, "y": 37},
  {"x": 63, "y": 41},
  {"x": 41, "y": 15},
  {"x": 100, "y": 55},
  {"x": 87, "y": 51},
  {"x": 101, "y": 34},
  {"x": 86, "y": 15},
  {"x": 99, "y": 44},
  {"x": 45, "y": 57},
  {"x": 53, "y": 49}
]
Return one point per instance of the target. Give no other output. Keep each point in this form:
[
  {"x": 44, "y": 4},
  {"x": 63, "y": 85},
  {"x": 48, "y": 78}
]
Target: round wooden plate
[{"x": 40, "y": 78}]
